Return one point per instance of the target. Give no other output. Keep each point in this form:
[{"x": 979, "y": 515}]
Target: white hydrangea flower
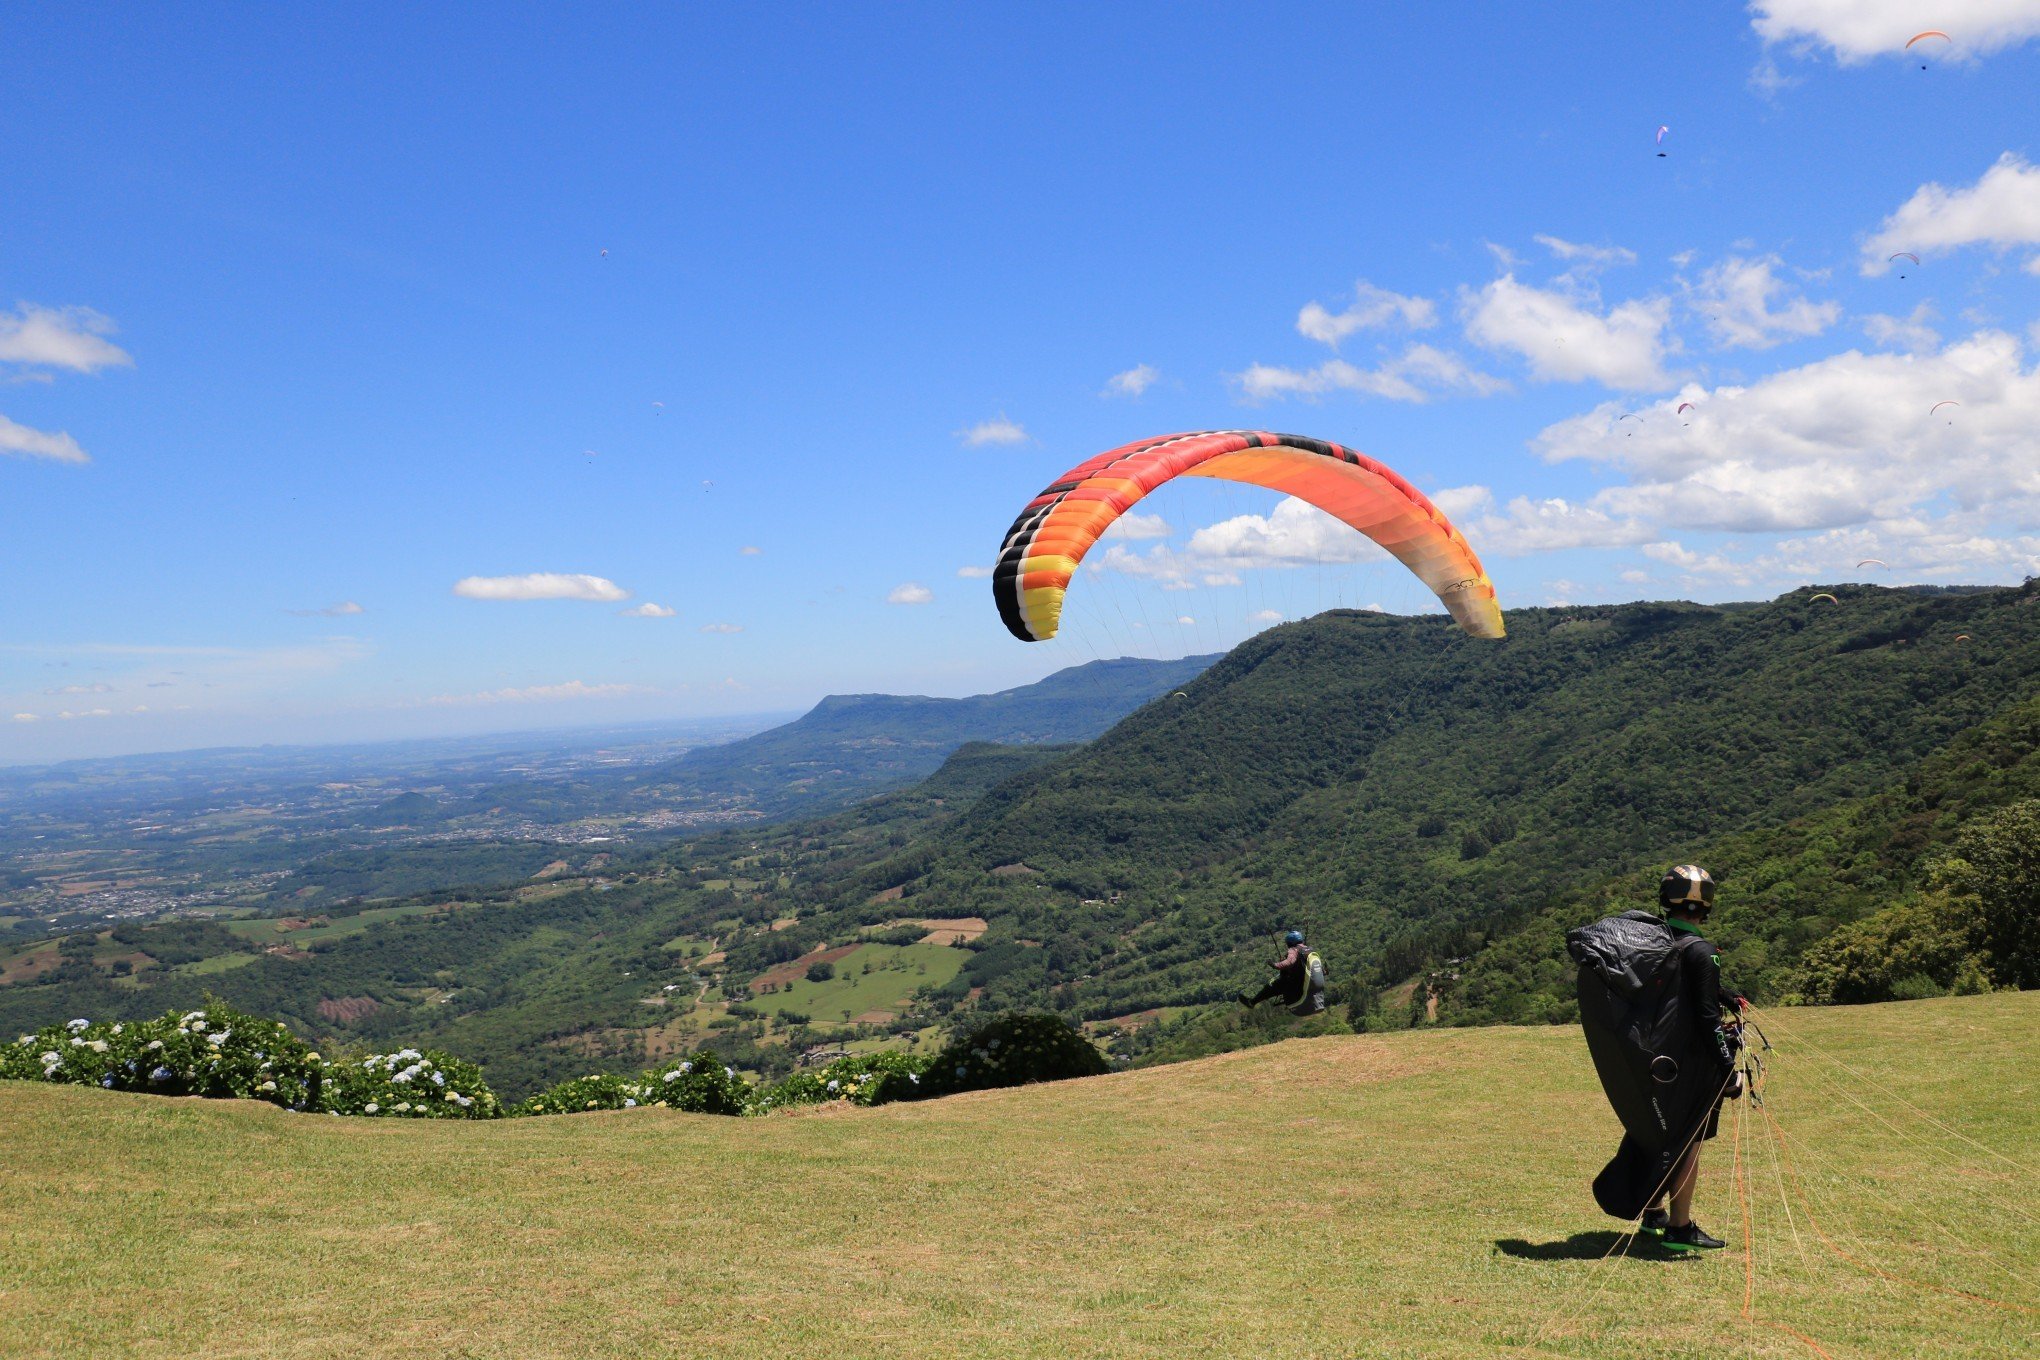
[
  {"x": 673, "y": 1075},
  {"x": 77, "y": 1025},
  {"x": 833, "y": 1085},
  {"x": 52, "y": 1059},
  {"x": 403, "y": 1107},
  {"x": 370, "y": 1108},
  {"x": 267, "y": 1086},
  {"x": 154, "y": 1046},
  {"x": 97, "y": 1045},
  {"x": 687, "y": 1067},
  {"x": 439, "y": 1079},
  {"x": 76, "y": 1042},
  {"x": 629, "y": 1104},
  {"x": 118, "y": 1028},
  {"x": 453, "y": 1096}
]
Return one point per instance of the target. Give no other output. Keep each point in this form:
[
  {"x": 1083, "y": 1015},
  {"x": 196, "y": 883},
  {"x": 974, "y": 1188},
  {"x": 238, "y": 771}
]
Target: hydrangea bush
[
  {"x": 698, "y": 1085},
  {"x": 410, "y": 1084},
  {"x": 213, "y": 1051},
  {"x": 861, "y": 1079}
]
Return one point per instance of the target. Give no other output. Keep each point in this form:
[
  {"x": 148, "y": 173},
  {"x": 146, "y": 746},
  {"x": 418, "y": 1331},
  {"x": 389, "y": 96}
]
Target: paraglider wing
[
  {"x": 1939, "y": 404},
  {"x": 1822, "y": 596},
  {"x": 1684, "y": 407},
  {"x": 1872, "y": 562},
  {"x": 1660, "y": 1073},
  {"x": 1905, "y": 255},
  {"x": 1661, "y": 131},
  {"x": 1043, "y": 549},
  {"x": 1962, "y": 637},
  {"x": 1928, "y": 33}
]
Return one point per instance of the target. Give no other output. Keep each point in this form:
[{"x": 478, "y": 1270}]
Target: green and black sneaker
[
  {"x": 1655, "y": 1221},
  {"x": 1692, "y": 1237}
]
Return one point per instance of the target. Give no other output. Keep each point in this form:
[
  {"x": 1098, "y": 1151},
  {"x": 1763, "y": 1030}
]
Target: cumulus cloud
[
  {"x": 99, "y": 688},
  {"x": 25, "y": 442},
  {"x": 332, "y": 611},
  {"x": 1846, "y": 440},
  {"x": 1133, "y": 525},
  {"x": 542, "y": 694},
  {"x": 72, "y": 338},
  {"x": 911, "y": 592},
  {"x": 975, "y": 573},
  {"x": 1549, "y": 524},
  {"x": 1913, "y": 331},
  {"x": 1266, "y": 616},
  {"x": 1563, "y": 339},
  {"x": 648, "y": 610},
  {"x": 1371, "y": 307},
  {"x": 2002, "y": 209},
  {"x": 541, "y": 585},
  {"x": 1295, "y": 533},
  {"x": 1132, "y": 382},
  {"x": 749, "y": 550},
  {"x": 997, "y": 430},
  {"x": 27, "y": 717},
  {"x": 1858, "y": 30},
  {"x": 1417, "y": 375},
  {"x": 1737, "y": 297},
  {"x": 722, "y": 628}
]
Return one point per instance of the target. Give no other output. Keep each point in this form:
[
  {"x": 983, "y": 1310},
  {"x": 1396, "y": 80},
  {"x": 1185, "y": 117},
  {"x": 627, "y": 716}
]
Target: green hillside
[{"x": 1414, "y": 1195}]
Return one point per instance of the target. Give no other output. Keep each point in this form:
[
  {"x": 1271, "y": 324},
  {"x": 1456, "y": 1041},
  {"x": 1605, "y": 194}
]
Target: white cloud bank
[
  {"x": 1563, "y": 339},
  {"x": 24, "y": 442},
  {"x": 1371, "y": 307},
  {"x": 541, "y": 585},
  {"x": 72, "y": 338},
  {"x": 2002, "y": 209},
  {"x": 911, "y": 592},
  {"x": 1858, "y": 30},
  {"x": 648, "y": 610},
  {"x": 1417, "y": 375},
  {"x": 1747, "y": 306}
]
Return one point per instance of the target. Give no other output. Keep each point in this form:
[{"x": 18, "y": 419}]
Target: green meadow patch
[{"x": 1411, "y": 1195}]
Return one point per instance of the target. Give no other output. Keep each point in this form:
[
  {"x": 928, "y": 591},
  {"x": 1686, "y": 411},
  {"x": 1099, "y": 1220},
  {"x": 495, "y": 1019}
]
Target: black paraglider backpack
[{"x": 1632, "y": 1006}]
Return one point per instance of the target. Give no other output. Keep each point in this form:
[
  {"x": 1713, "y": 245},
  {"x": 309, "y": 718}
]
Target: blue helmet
[{"x": 1293, "y": 937}]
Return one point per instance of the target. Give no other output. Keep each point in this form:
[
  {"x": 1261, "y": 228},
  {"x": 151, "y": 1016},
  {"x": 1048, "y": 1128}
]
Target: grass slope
[{"x": 1408, "y": 1195}]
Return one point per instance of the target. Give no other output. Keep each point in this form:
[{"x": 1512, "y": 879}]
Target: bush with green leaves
[
  {"x": 698, "y": 1085},
  {"x": 410, "y": 1084},
  {"x": 861, "y": 1079},
  {"x": 213, "y": 1051},
  {"x": 1011, "y": 1050}
]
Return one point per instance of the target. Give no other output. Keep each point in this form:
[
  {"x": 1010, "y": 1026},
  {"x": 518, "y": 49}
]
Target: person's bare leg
[{"x": 1684, "y": 1181}]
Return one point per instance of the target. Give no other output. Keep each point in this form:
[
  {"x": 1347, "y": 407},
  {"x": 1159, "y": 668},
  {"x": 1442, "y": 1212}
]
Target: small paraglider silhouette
[
  {"x": 1823, "y": 596},
  {"x": 706, "y": 484},
  {"x": 658, "y": 406},
  {"x": 1871, "y": 562},
  {"x": 1962, "y": 637},
  {"x": 605, "y": 254},
  {"x": 1628, "y": 415},
  {"x": 1939, "y": 404},
  {"x": 1662, "y": 129},
  {"x": 1923, "y": 36},
  {"x": 1904, "y": 255}
]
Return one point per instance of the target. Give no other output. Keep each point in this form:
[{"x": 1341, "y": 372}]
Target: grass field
[
  {"x": 1414, "y": 1195},
  {"x": 897, "y": 972}
]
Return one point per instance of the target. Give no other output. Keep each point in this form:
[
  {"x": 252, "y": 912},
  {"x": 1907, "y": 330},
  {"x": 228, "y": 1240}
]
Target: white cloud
[
  {"x": 725, "y": 628},
  {"x": 1736, "y": 298},
  {"x": 1296, "y": 533},
  {"x": 1184, "y": 618},
  {"x": 344, "y": 609},
  {"x": 73, "y": 338},
  {"x": 1417, "y": 375},
  {"x": 1266, "y": 616},
  {"x": 2002, "y": 209},
  {"x": 1564, "y": 340},
  {"x": 975, "y": 573},
  {"x": 1457, "y": 502},
  {"x": 1550, "y": 524},
  {"x": 1857, "y": 30},
  {"x": 99, "y": 688},
  {"x": 1133, "y": 525},
  {"x": 749, "y": 550},
  {"x": 911, "y": 592},
  {"x": 27, "y": 717},
  {"x": 1845, "y": 440},
  {"x": 1633, "y": 577},
  {"x": 997, "y": 430},
  {"x": 1595, "y": 256},
  {"x": 1132, "y": 382},
  {"x": 648, "y": 610},
  {"x": 1371, "y": 307},
  {"x": 541, "y": 585},
  {"x": 31, "y": 443},
  {"x": 542, "y": 694},
  {"x": 1910, "y": 332}
]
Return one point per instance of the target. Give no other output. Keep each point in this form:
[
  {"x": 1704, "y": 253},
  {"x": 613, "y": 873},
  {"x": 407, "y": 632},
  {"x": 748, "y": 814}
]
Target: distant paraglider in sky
[
  {"x": 1822, "y": 596},
  {"x": 1628, "y": 415},
  {"x": 1962, "y": 637},
  {"x": 1871, "y": 562},
  {"x": 1661, "y": 131},
  {"x": 1904, "y": 255},
  {"x": 1926, "y": 36},
  {"x": 1939, "y": 404},
  {"x": 1684, "y": 407},
  {"x": 1047, "y": 542}
]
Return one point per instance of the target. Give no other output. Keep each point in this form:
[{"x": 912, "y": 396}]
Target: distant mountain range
[{"x": 852, "y": 745}]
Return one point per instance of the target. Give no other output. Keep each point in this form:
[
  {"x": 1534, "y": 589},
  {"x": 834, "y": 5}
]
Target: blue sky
[{"x": 305, "y": 320}]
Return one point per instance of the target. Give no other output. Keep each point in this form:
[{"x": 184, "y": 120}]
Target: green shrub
[
  {"x": 861, "y": 1079},
  {"x": 410, "y": 1084},
  {"x": 821, "y": 972},
  {"x": 698, "y": 1085},
  {"x": 1011, "y": 1050}
]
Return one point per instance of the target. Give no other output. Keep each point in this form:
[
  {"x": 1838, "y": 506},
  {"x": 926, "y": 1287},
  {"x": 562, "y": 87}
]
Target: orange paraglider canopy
[
  {"x": 1043, "y": 549},
  {"x": 1928, "y": 33}
]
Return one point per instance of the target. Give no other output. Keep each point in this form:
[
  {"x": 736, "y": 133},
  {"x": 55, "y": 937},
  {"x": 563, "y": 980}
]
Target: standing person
[
  {"x": 1651, "y": 1003},
  {"x": 1299, "y": 979}
]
